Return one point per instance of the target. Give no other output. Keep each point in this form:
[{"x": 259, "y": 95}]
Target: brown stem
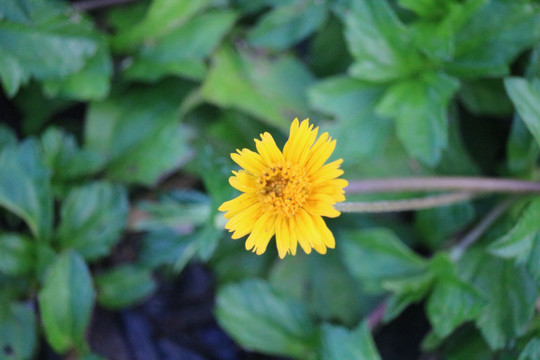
[
  {"x": 465, "y": 184},
  {"x": 404, "y": 205},
  {"x": 476, "y": 232}
]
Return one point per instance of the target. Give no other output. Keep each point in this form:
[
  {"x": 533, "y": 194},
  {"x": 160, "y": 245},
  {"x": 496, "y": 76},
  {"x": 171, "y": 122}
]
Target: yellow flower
[{"x": 286, "y": 194}]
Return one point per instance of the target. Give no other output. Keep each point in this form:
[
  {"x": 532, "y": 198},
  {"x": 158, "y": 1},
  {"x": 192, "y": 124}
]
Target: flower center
[{"x": 283, "y": 189}]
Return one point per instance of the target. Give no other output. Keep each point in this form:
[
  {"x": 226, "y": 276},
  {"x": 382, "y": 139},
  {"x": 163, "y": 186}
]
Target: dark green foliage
[{"x": 118, "y": 122}]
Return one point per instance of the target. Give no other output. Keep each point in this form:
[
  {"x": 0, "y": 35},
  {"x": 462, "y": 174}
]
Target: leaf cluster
[{"x": 117, "y": 129}]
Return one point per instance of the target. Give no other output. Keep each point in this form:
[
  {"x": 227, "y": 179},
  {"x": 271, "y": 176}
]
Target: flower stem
[
  {"x": 476, "y": 232},
  {"x": 404, "y": 205},
  {"x": 464, "y": 184}
]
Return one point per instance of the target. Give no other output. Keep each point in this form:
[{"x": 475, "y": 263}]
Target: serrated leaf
[
  {"x": 494, "y": 36},
  {"x": 260, "y": 319},
  {"x": 153, "y": 158},
  {"x": 272, "y": 90},
  {"x": 162, "y": 17},
  {"x": 50, "y": 43},
  {"x": 419, "y": 109},
  {"x": 285, "y": 25},
  {"x": 531, "y": 350},
  {"x": 124, "y": 286},
  {"x": 63, "y": 156},
  {"x": 65, "y": 301},
  {"x": 16, "y": 254},
  {"x": 406, "y": 292},
  {"x": 466, "y": 344},
  {"x": 427, "y": 8},
  {"x": 518, "y": 241},
  {"x": 379, "y": 43},
  {"x": 486, "y": 97},
  {"x": 352, "y": 102},
  {"x": 377, "y": 255},
  {"x": 183, "y": 50},
  {"x": 522, "y": 149},
  {"x": 7, "y": 137},
  {"x": 338, "y": 343},
  {"x": 138, "y": 132},
  {"x": 334, "y": 294},
  {"x": 25, "y": 187},
  {"x": 92, "y": 82},
  {"x": 17, "y": 330},
  {"x": 525, "y": 94},
  {"x": 510, "y": 295},
  {"x": 436, "y": 225},
  {"x": 452, "y": 301},
  {"x": 434, "y": 33},
  {"x": 92, "y": 219}
]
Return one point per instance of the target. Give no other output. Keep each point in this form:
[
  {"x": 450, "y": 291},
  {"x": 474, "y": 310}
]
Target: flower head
[{"x": 287, "y": 193}]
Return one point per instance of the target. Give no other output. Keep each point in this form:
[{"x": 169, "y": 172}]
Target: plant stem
[
  {"x": 404, "y": 205},
  {"x": 465, "y": 184},
  {"x": 476, "y": 232}
]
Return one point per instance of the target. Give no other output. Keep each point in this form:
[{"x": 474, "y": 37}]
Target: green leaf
[
  {"x": 175, "y": 210},
  {"x": 288, "y": 24},
  {"x": 138, "y": 132},
  {"x": 49, "y": 43},
  {"x": 92, "y": 218},
  {"x": 65, "y": 301},
  {"x": 63, "y": 156},
  {"x": 272, "y": 90},
  {"x": 260, "y": 319},
  {"x": 434, "y": 33},
  {"x": 377, "y": 255},
  {"x": 466, "y": 344},
  {"x": 406, "y": 292},
  {"x": 360, "y": 132},
  {"x": 16, "y": 254},
  {"x": 37, "y": 109},
  {"x": 325, "y": 63},
  {"x": 419, "y": 107},
  {"x": 525, "y": 94},
  {"x": 333, "y": 293},
  {"x": 163, "y": 16},
  {"x": 92, "y": 82},
  {"x": 17, "y": 331},
  {"x": 427, "y": 8},
  {"x": 531, "y": 350},
  {"x": 25, "y": 187},
  {"x": 338, "y": 343},
  {"x": 510, "y": 293},
  {"x": 494, "y": 36},
  {"x": 531, "y": 259},
  {"x": 7, "y": 137},
  {"x": 518, "y": 241},
  {"x": 452, "y": 301},
  {"x": 486, "y": 97},
  {"x": 379, "y": 43},
  {"x": 522, "y": 149},
  {"x": 124, "y": 286},
  {"x": 437, "y": 225},
  {"x": 182, "y": 51}
]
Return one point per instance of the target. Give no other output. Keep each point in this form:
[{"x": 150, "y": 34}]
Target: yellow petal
[
  {"x": 249, "y": 160},
  {"x": 268, "y": 149},
  {"x": 243, "y": 181},
  {"x": 282, "y": 237},
  {"x": 263, "y": 230},
  {"x": 327, "y": 236},
  {"x": 322, "y": 205}
]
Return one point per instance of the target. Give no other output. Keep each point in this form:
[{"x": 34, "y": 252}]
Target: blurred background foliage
[{"x": 118, "y": 121}]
